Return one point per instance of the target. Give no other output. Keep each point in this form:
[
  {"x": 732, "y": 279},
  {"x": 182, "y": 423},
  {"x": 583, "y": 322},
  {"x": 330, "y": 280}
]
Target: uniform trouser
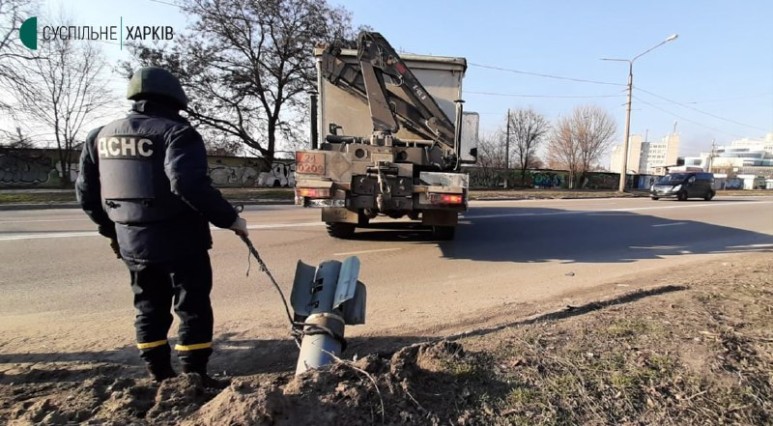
[{"x": 184, "y": 284}]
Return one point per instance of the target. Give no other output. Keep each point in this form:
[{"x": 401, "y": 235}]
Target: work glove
[
  {"x": 115, "y": 247},
  {"x": 240, "y": 227}
]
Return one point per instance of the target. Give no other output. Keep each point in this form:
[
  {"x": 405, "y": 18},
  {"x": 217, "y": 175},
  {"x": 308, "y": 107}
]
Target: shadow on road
[
  {"x": 700, "y": 200},
  {"x": 503, "y": 234},
  {"x": 518, "y": 234}
]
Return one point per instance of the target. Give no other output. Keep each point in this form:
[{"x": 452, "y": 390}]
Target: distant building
[
  {"x": 742, "y": 156},
  {"x": 645, "y": 157}
]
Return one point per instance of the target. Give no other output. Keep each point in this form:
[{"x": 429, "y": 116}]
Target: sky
[{"x": 714, "y": 82}]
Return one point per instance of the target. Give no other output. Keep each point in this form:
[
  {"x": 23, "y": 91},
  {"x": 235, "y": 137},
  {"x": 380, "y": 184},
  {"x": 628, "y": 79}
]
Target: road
[{"x": 62, "y": 290}]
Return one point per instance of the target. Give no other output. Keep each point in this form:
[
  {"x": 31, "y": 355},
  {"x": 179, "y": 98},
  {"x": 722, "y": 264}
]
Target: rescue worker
[{"x": 143, "y": 181}]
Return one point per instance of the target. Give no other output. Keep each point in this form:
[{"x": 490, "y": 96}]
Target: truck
[{"x": 389, "y": 137}]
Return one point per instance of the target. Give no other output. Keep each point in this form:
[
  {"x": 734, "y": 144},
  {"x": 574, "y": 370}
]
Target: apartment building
[{"x": 646, "y": 157}]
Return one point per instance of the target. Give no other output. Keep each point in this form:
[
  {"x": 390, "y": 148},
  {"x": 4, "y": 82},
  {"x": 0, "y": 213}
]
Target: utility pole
[
  {"x": 711, "y": 155},
  {"x": 507, "y": 149},
  {"x": 313, "y": 132},
  {"x": 621, "y": 187},
  {"x": 624, "y": 172}
]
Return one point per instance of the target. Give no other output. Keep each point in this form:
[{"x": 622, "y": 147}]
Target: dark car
[{"x": 684, "y": 185}]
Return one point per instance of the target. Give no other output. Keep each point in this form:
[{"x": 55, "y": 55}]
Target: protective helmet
[{"x": 155, "y": 82}]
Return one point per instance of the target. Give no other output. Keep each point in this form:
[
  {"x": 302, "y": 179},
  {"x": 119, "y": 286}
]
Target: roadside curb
[
  {"x": 551, "y": 198},
  {"x": 53, "y": 206},
  {"x": 39, "y": 206}
]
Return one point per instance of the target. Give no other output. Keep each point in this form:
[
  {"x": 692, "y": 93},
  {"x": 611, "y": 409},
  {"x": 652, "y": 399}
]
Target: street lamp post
[{"x": 621, "y": 187}]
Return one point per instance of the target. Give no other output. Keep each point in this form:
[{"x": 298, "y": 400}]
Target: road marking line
[
  {"x": 753, "y": 246},
  {"x": 19, "y": 237},
  {"x": 669, "y": 224},
  {"x": 43, "y": 220},
  {"x": 493, "y": 216},
  {"x": 590, "y": 212},
  {"x": 274, "y": 226},
  {"x": 43, "y": 235},
  {"x": 351, "y": 253},
  {"x": 655, "y": 247}
]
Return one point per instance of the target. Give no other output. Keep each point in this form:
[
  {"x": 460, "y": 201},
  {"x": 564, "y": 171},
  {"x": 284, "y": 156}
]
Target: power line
[
  {"x": 697, "y": 110},
  {"x": 536, "y": 74},
  {"x": 735, "y": 98},
  {"x": 685, "y": 119},
  {"x": 166, "y": 3},
  {"x": 513, "y": 95}
]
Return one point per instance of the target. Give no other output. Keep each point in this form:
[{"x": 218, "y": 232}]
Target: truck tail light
[
  {"x": 313, "y": 192},
  {"x": 446, "y": 198}
]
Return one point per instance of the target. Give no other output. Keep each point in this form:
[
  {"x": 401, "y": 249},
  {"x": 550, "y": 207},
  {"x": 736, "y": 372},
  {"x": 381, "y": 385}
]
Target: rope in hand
[
  {"x": 297, "y": 327},
  {"x": 264, "y": 268}
]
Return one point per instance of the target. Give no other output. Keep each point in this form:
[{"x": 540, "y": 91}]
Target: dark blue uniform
[{"x": 143, "y": 180}]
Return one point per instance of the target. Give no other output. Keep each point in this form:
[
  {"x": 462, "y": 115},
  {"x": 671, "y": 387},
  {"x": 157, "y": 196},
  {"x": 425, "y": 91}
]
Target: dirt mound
[
  {"x": 101, "y": 400},
  {"x": 177, "y": 398},
  {"x": 371, "y": 390}
]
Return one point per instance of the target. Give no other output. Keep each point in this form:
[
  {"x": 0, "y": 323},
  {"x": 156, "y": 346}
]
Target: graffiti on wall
[
  {"x": 481, "y": 177},
  {"x": 600, "y": 181},
  {"x": 281, "y": 174},
  {"x": 25, "y": 169},
  {"x": 547, "y": 179},
  {"x": 20, "y": 170},
  {"x": 486, "y": 177},
  {"x": 233, "y": 176}
]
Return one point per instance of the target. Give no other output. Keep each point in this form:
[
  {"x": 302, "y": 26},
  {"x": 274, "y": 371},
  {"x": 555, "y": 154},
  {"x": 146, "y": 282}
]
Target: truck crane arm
[{"x": 377, "y": 59}]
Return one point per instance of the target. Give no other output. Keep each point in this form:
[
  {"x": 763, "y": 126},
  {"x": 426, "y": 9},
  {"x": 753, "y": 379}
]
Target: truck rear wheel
[
  {"x": 443, "y": 233},
  {"x": 340, "y": 229}
]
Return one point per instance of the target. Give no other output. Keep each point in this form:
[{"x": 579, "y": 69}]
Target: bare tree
[
  {"x": 12, "y": 53},
  {"x": 247, "y": 64},
  {"x": 578, "y": 141},
  {"x": 63, "y": 92},
  {"x": 15, "y": 140},
  {"x": 491, "y": 158},
  {"x": 219, "y": 143},
  {"x": 491, "y": 151},
  {"x": 528, "y": 129}
]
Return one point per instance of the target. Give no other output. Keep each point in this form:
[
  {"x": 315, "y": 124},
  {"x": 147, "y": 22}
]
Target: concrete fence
[{"x": 40, "y": 168}]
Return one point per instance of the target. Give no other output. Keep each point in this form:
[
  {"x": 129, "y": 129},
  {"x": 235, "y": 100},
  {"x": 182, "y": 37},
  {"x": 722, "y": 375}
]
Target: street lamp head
[{"x": 672, "y": 37}]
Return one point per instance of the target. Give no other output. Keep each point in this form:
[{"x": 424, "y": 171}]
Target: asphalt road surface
[{"x": 63, "y": 291}]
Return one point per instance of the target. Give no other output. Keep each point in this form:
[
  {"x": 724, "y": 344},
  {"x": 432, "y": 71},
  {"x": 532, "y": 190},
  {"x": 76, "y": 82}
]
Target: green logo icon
[{"x": 28, "y": 33}]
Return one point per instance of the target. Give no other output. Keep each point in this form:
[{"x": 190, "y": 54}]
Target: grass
[
  {"x": 704, "y": 356},
  {"x": 36, "y": 197}
]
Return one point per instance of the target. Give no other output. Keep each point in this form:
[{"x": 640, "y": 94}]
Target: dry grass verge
[{"x": 692, "y": 354}]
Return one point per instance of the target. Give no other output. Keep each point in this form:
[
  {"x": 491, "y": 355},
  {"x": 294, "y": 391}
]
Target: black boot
[
  {"x": 206, "y": 381},
  {"x": 161, "y": 372},
  {"x": 159, "y": 363}
]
